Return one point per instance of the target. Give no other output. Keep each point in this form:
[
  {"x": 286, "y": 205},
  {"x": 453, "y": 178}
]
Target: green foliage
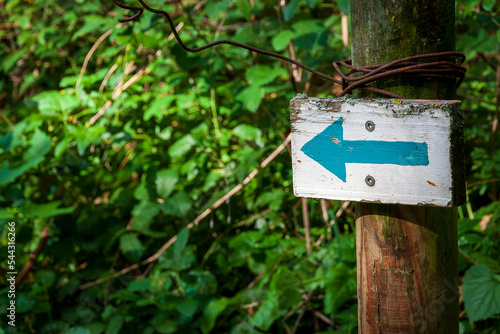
[
  {"x": 481, "y": 293},
  {"x": 118, "y": 150}
]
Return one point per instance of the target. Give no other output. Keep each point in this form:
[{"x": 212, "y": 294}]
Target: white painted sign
[{"x": 384, "y": 151}]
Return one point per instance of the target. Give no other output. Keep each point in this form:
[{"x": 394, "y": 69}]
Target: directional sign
[
  {"x": 331, "y": 151},
  {"x": 384, "y": 151}
]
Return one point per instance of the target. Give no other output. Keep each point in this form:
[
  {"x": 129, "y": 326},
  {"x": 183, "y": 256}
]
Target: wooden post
[{"x": 407, "y": 255}]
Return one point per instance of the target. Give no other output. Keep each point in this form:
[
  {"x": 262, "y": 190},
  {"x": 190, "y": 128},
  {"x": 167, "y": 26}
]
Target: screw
[
  {"x": 370, "y": 126},
  {"x": 370, "y": 180}
]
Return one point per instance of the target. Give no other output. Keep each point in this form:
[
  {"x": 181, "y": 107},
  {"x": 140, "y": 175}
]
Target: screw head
[
  {"x": 370, "y": 180},
  {"x": 370, "y": 126}
]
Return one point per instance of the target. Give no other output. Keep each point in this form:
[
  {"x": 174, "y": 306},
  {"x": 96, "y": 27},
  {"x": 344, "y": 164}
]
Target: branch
[
  {"x": 44, "y": 236},
  {"x": 89, "y": 55},
  {"x": 205, "y": 213},
  {"x": 307, "y": 230}
]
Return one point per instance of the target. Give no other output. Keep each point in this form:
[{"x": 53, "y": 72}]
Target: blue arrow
[{"x": 331, "y": 151}]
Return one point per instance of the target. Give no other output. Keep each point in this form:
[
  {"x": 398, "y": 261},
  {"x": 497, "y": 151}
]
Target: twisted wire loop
[{"x": 407, "y": 67}]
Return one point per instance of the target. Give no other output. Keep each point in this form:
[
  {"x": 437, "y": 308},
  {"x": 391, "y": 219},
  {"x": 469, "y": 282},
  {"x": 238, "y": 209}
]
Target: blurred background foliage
[{"x": 113, "y": 142}]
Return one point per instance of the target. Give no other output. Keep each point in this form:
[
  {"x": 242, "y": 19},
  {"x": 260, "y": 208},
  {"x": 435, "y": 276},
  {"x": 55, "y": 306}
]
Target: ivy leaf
[{"x": 481, "y": 293}]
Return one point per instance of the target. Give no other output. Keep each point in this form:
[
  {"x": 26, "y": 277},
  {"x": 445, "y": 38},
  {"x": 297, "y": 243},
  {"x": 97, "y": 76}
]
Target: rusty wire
[{"x": 405, "y": 67}]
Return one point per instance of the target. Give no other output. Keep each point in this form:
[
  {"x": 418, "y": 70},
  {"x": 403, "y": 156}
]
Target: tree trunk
[{"x": 407, "y": 255}]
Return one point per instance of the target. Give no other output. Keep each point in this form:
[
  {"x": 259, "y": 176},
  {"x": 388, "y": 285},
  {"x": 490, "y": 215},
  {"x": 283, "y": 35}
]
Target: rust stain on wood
[{"x": 431, "y": 183}]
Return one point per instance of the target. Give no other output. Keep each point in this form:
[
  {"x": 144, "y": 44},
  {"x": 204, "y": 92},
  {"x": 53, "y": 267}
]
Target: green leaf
[
  {"x": 340, "y": 286},
  {"x": 167, "y": 326},
  {"x": 92, "y": 23},
  {"x": 260, "y": 75},
  {"x": 272, "y": 198},
  {"x": 141, "y": 193},
  {"x": 52, "y": 101},
  {"x": 61, "y": 146},
  {"x": 85, "y": 136},
  {"x": 187, "y": 307},
  {"x": 141, "y": 284},
  {"x": 246, "y": 241},
  {"x": 311, "y": 3},
  {"x": 31, "y": 210},
  {"x": 166, "y": 179},
  {"x": 5, "y": 215},
  {"x": 181, "y": 242},
  {"x": 488, "y": 5},
  {"x": 247, "y": 132},
  {"x": 40, "y": 145},
  {"x": 344, "y": 6},
  {"x": 281, "y": 40},
  {"x": 45, "y": 278},
  {"x": 8, "y": 175},
  {"x": 267, "y": 312},
  {"x": 244, "y": 7},
  {"x": 145, "y": 210},
  {"x": 211, "y": 312},
  {"x": 481, "y": 289},
  {"x": 290, "y": 9},
  {"x": 178, "y": 205},
  {"x": 78, "y": 330},
  {"x": 131, "y": 247},
  {"x": 114, "y": 325},
  {"x": 9, "y": 61},
  {"x": 143, "y": 213},
  {"x": 5, "y": 142},
  {"x": 250, "y": 97},
  {"x": 181, "y": 147},
  {"x": 158, "y": 108},
  {"x": 95, "y": 328}
]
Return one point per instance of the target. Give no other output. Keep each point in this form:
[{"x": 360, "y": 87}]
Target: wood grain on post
[{"x": 407, "y": 255}]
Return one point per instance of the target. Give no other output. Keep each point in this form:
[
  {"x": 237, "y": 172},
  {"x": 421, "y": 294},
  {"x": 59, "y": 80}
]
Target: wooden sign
[{"x": 383, "y": 151}]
